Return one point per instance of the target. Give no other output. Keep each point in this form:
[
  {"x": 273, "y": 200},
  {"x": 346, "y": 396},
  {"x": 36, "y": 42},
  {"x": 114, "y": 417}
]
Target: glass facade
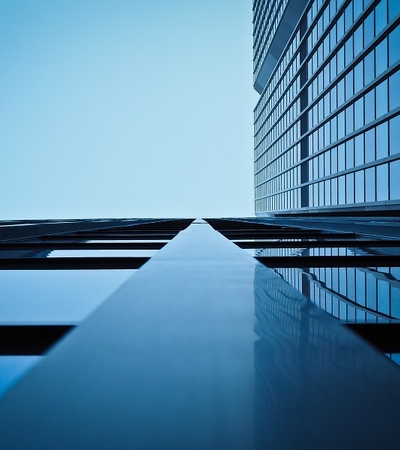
[{"x": 328, "y": 119}]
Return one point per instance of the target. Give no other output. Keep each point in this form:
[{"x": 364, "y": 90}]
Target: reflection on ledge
[{"x": 315, "y": 380}]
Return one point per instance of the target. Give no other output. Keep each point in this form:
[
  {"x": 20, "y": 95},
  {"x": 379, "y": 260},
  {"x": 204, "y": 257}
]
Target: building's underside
[{"x": 218, "y": 340}]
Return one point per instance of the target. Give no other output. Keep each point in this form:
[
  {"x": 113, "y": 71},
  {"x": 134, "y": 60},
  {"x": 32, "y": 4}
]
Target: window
[{"x": 382, "y": 141}]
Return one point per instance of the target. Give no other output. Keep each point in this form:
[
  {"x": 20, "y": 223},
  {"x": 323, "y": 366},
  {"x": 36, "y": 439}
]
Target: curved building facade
[{"x": 327, "y": 125}]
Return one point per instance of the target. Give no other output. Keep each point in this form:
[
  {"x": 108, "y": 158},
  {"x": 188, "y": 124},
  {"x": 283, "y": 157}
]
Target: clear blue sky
[{"x": 125, "y": 108}]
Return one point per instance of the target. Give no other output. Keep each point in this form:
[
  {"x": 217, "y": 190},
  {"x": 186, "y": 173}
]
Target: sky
[{"x": 126, "y": 108}]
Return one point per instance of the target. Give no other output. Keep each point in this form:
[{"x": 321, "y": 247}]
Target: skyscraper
[
  {"x": 327, "y": 122},
  {"x": 206, "y": 345}
]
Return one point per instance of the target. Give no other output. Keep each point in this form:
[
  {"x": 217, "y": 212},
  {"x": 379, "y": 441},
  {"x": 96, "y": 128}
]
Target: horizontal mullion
[
  {"x": 285, "y": 235},
  {"x": 318, "y": 244},
  {"x": 330, "y": 261},
  {"x": 83, "y": 246},
  {"x": 72, "y": 263},
  {"x": 87, "y": 236},
  {"x": 30, "y": 339},
  {"x": 384, "y": 336}
]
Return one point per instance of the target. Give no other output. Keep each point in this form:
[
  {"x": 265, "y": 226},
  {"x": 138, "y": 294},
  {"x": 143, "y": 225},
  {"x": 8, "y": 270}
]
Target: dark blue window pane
[
  {"x": 369, "y": 29},
  {"x": 341, "y": 125},
  {"x": 370, "y": 185},
  {"x": 340, "y": 92},
  {"x": 321, "y": 165},
  {"x": 342, "y": 190},
  {"x": 327, "y": 192},
  {"x": 359, "y": 76},
  {"x": 382, "y": 141},
  {"x": 394, "y": 9},
  {"x": 369, "y": 72},
  {"x": 381, "y": 99},
  {"x": 381, "y": 57},
  {"x": 370, "y": 145},
  {"x": 341, "y": 157},
  {"x": 340, "y": 27},
  {"x": 358, "y": 40},
  {"x": 394, "y": 90},
  {"x": 327, "y": 163},
  {"x": 349, "y": 50},
  {"x": 349, "y": 120},
  {"x": 349, "y": 154},
  {"x": 359, "y": 186},
  {"x": 350, "y": 188},
  {"x": 349, "y": 85},
  {"x": 380, "y": 16},
  {"x": 369, "y": 106},
  {"x": 383, "y": 296},
  {"x": 394, "y": 180},
  {"x": 394, "y": 130},
  {"x": 382, "y": 182},
  {"x": 334, "y": 129},
  {"x": 348, "y": 17},
  {"x": 359, "y": 113},
  {"x": 371, "y": 291},
  {"x": 394, "y": 46},
  {"x": 334, "y": 191},
  {"x": 360, "y": 287},
  {"x": 359, "y": 150},
  {"x": 357, "y": 9},
  {"x": 334, "y": 160}
]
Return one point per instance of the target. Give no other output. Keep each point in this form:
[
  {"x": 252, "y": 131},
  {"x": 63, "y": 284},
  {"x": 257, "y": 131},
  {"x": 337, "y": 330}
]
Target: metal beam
[
  {"x": 72, "y": 263},
  {"x": 204, "y": 347},
  {"x": 331, "y": 261},
  {"x": 30, "y": 339},
  {"x": 298, "y": 234},
  {"x": 384, "y": 336},
  {"x": 82, "y": 246},
  {"x": 317, "y": 244},
  {"x": 109, "y": 236}
]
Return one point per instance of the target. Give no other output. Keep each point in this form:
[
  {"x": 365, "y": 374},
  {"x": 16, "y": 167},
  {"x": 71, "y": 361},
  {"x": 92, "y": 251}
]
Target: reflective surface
[
  {"x": 206, "y": 348},
  {"x": 326, "y": 130},
  {"x": 12, "y": 368},
  {"x": 100, "y": 253},
  {"x": 55, "y": 296}
]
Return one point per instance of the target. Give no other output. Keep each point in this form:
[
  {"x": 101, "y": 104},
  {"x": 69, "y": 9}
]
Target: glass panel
[
  {"x": 394, "y": 9},
  {"x": 369, "y": 107},
  {"x": 359, "y": 76},
  {"x": 382, "y": 182},
  {"x": 350, "y": 188},
  {"x": 55, "y": 296},
  {"x": 394, "y": 46},
  {"x": 370, "y": 185},
  {"x": 380, "y": 16},
  {"x": 369, "y": 29},
  {"x": 394, "y": 180},
  {"x": 370, "y": 145},
  {"x": 359, "y": 113},
  {"x": 369, "y": 66},
  {"x": 359, "y": 149},
  {"x": 382, "y": 140},
  {"x": 349, "y": 154},
  {"x": 358, "y": 40},
  {"x": 381, "y": 57},
  {"x": 341, "y": 158},
  {"x": 359, "y": 186},
  {"x": 394, "y": 129},
  {"x": 394, "y": 89},
  {"x": 381, "y": 99},
  {"x": 342, "y": 190}
]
